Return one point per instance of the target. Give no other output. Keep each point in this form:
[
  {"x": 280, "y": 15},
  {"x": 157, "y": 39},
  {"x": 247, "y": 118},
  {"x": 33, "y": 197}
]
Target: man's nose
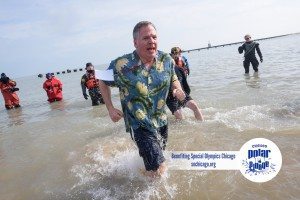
[{"x": 151, "y": 40}]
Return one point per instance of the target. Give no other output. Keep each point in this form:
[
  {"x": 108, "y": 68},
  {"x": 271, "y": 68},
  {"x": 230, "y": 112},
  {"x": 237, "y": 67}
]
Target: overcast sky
[{"x": 39, "y": 36}]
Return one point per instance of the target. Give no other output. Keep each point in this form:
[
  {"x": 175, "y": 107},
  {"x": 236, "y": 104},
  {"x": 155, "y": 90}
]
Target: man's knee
[{"x": 192, "y": 105}]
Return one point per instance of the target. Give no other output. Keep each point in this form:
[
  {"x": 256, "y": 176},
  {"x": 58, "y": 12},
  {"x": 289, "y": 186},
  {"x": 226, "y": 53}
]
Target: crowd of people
[{"x": 149, "y": 80}]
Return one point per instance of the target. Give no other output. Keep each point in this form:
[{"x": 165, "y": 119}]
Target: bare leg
[
  {"x": 191, "y": 104},
  {"x": 158, "y": 173},
  {"x": 178, "y": 114}
]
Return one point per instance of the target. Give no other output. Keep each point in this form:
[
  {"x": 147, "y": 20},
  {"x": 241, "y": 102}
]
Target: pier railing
[{"x": 234, "y": 43}]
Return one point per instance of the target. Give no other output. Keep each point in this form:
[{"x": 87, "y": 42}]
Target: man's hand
[
  {"x": 179, "y": 94},
  {"x": 261, "y": 60},
  {"x": 115, "y": 114},
  {"x": 85, "y": 96}
]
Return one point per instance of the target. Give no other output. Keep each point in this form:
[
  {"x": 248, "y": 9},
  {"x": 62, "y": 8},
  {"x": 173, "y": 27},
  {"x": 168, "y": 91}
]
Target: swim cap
[{"x": 48, "y": 75}]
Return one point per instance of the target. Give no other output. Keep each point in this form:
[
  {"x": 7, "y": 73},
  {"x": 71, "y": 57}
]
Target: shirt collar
[{"x": 136, "y": 57}]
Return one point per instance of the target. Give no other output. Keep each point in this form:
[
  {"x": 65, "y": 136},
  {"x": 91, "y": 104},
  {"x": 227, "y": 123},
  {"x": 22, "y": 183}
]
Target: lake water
[{"x": 71, "y": 150}]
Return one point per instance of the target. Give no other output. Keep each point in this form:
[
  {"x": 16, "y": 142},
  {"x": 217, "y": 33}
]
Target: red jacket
[
  {"x": 11, "y": 98},
  {"x": 53, "y": 87}
]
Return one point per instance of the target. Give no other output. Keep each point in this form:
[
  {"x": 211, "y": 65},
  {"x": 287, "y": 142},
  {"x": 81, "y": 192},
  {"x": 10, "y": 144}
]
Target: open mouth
[{"x": 151, "y": 49}]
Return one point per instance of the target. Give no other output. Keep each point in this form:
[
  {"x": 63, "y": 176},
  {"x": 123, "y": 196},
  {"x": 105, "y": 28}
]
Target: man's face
[
  {"x": 176, "y": 56},
  {"x": 90, "y": 69},
  {"x": 146, "y": 43},
  {"x": 248, "y": 38}
]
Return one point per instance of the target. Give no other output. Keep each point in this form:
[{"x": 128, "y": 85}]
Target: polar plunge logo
[{"x": 260, "y": 160}]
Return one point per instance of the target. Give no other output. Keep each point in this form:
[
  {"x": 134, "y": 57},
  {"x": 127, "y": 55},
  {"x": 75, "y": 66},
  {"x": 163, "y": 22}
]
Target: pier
[{"x": 234, "y": 43}]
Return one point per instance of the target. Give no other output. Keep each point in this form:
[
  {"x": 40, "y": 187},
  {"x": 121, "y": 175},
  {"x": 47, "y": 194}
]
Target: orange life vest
[
  {"x": 181, "y": 64},
  {"x": 53, "y": 87},
  {"x": 11, "y": 98},
  {"x": 91, "y": 82}
]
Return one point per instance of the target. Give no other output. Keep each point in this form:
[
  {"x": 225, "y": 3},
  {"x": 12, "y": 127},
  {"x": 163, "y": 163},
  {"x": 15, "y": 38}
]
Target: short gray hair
[{"x": 139, "y": 25}]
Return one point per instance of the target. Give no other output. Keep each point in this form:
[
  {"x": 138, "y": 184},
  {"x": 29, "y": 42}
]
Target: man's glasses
[
  {"x": 248, "y": 38},
  {"x": 90, "y": 71}
]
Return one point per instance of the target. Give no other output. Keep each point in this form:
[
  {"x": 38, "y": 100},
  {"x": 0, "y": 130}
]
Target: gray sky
[{"x": 39, "y": 36}]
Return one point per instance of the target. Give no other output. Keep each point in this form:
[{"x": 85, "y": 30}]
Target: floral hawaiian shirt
[{"x": 143, "y": 92}]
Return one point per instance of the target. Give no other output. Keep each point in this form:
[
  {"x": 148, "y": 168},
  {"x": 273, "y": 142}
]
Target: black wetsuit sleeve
[
  {"x": 241, "y": 48},
  {"x": 83, "y": 81},
  {"x": 258, "y": 51}
]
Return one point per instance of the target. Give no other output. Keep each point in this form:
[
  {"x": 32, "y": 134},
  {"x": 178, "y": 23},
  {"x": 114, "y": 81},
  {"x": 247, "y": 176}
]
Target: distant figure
[
  {"x": 209, "y": 45},
  {"x": 89, "y": 81},
  {"x": 249, "y": 48},
  {"x": 182, "y": 70},
  {"x": 8, "y": 89},
  {"x": 53, "y": 87}
]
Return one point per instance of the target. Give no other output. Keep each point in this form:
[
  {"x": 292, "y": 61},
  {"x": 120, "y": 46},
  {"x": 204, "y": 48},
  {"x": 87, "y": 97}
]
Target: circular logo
[{"x": 260, "y": 160}]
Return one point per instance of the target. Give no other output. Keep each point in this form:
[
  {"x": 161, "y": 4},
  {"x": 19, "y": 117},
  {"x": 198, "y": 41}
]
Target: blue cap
[{"x": 48, "y": 75}]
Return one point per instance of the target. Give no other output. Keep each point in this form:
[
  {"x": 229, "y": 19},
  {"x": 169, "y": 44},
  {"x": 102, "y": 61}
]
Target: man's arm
[
  {"x": 177, "y": 90},
  {"x": 114, "y": 113},
  {"x": 45, "y": 86},
  {"x": 241, "y": 48},
  {"x": 83, "y": 87},
  {"x": 259, "y": 52}
]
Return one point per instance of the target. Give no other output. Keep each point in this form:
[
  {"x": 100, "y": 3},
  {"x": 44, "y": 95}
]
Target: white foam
[
  {"x": 111, "y": 174},
  {"x": 246, "y": 118}
]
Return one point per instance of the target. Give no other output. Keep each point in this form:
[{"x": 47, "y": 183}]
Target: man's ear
[{"x": 134, "y": 42}]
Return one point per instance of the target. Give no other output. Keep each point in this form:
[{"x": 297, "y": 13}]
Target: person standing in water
[
  {"x": 144, "y": 78},
  {"x": 8, "y": 90},
  {"x": 53, "y": 88},
  {"x": 249, "y": 48},
  {"x": 182, "y": 71},
  {"x": 89, "y": 81}
]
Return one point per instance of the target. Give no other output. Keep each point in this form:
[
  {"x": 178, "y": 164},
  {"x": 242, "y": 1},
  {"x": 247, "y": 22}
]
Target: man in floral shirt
[{"x": 144, "y": 78}]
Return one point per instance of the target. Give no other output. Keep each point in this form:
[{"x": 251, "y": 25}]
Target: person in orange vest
[
  {"x": 89, "y": 81},
  {"x": 180, "y": 60},
  {"x": 53, "y": 87},
  {"x": 8, "y": 89},
  {"x": 182, "y": 70}
]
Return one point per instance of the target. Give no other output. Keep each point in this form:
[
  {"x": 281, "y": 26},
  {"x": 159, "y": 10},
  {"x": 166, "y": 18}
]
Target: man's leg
[
  {"x": 8, "y": 107},
  {"x": 255, "y": 64},
  {"x": 150, "y": 150},
  {"x": 174, "y": 107},
  {"x": 246, "y": 66},
  {"x": 191, "y": 104},
  {"x": 178, "y": 114},
  {"x": 93, "y": 96}
]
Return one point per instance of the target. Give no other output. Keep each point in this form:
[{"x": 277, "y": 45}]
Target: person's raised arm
[
  {"x": 114, "y": 113},
  {"x": 259, "y": 52}
]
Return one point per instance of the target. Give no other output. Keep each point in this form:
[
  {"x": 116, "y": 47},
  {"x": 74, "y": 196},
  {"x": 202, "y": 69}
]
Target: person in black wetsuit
[{"x": 249, "y": 53}]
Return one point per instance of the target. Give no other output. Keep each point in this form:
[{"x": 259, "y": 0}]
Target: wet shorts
[
  {"x": 174, "y": 105},
  {"x": 151, "y": 145}
]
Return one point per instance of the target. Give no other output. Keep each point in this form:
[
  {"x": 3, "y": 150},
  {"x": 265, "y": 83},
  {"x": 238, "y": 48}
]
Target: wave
[{"x": 259, "y": 117}]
